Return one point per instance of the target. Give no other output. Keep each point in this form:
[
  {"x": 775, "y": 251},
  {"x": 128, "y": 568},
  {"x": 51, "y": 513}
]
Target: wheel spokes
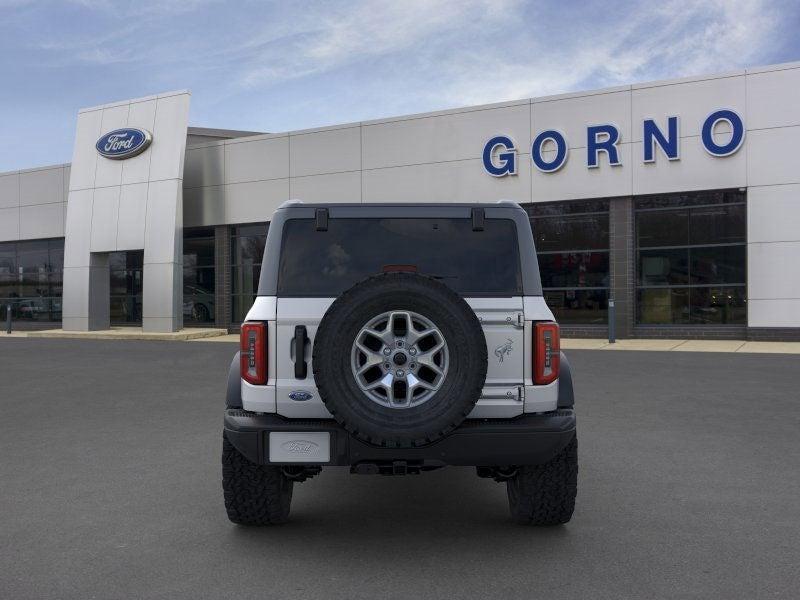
[
  {"x": 415, "y": 336},
  {"x": 400, "y": 317},
  {"x": 399, "y": 359}
]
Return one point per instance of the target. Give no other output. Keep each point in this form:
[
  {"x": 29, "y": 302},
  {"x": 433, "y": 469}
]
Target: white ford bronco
[{"x": 395, "y": 339}]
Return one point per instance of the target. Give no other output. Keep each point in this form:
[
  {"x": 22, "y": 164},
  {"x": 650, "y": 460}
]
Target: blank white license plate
[{"x": 300, "y": 447}]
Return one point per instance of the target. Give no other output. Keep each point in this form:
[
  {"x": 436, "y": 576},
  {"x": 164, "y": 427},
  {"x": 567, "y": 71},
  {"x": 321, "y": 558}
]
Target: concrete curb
[
  {"x": 641, "y": 345},
  {"x": 122, "y": 333},
  {"x": 660, "y": 345}
]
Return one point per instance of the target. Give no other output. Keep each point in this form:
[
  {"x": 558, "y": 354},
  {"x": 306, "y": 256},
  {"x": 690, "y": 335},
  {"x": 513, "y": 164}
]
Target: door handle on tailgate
[{"x": 300, "y": 339}]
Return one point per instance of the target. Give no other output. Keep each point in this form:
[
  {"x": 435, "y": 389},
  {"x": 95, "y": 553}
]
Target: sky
[{"x": 284, "y": 65}]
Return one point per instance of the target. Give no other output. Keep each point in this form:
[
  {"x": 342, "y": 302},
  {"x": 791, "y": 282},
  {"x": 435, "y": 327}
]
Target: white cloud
[
  {"x": 455, "y": 53},
  {"x": 334, "y": 36},
  {"x": 674, "y": 40},
  {"x": 467, "y": 51}
]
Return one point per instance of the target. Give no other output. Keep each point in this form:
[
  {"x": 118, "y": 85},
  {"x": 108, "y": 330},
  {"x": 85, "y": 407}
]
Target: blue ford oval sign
[
  {"x": 300, "y": 395},
  {"x": 123, "y": 143}
]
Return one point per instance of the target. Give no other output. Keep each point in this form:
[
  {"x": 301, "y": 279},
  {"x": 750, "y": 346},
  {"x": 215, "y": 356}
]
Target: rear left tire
[
  {"x": 254, "y": 494},
  {"x": 545, "y": 494}
]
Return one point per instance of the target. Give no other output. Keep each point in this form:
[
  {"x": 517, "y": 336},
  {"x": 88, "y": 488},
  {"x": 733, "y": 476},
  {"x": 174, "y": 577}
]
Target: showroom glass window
[
  {"x": 247, "y": 250},
  {"x": 198, "y": 276},
  {"x": 691, "y": 258},
  {"x": 572, "y": 245},
  {"x": 125, "y": 269},
  {"x": 31, "y": 276}
]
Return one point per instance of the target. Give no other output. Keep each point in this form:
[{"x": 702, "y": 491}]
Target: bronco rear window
[{"x": 327, "y": 263}]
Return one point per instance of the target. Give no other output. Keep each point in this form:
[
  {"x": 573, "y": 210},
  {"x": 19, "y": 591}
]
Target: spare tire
[{"x": 400, "y": 360}]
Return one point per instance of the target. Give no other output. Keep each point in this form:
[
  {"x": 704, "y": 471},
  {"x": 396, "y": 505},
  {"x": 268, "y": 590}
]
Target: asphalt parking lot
[{"x": 689, "y": 487}]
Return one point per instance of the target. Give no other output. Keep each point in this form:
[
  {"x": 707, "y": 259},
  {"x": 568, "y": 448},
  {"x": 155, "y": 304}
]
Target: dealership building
[{"x": 678, "y": 201}]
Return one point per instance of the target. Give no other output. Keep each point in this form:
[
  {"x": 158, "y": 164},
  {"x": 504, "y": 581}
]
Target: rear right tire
[
  {"x": 545, "y": 494},
  {"x": 254, "y": 494}
]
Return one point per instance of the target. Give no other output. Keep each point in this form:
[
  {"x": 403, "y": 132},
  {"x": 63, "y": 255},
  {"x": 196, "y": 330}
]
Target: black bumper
[{"x": 525, "y": 440}]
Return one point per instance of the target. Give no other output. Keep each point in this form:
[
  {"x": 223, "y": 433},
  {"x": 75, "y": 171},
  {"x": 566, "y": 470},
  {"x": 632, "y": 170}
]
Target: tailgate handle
[{"x": 300, "y": 339}]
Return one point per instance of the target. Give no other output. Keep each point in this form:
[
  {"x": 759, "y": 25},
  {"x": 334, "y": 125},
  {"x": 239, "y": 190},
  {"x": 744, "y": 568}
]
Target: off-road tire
[
  {"x": 418, "y": 425},
  {"x": 254, "y": 494},
  {"x": 545, "y": 494}
]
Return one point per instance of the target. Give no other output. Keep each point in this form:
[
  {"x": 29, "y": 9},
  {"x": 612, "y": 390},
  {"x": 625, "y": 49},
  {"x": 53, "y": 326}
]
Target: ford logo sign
[
  {"x": 300, "y": 446},
  {"x": 123, "y": 143},
  {"x": 300, "y": 395}
]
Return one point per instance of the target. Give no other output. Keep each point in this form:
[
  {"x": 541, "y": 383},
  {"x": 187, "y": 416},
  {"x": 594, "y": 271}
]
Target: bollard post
[
  {"x": 8, "y": 318},
  {"x": 612, "y": 321}
]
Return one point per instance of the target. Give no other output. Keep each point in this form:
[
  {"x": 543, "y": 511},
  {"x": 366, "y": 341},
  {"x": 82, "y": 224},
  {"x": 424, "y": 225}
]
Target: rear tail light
[
  {"x": 546, "y": 352},
  {"x": 253, "y": 353}
]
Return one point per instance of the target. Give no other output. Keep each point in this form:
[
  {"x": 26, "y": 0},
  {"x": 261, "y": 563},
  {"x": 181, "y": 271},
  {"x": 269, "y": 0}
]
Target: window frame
[
  {"x": 21, "y": 276},
  {"x": 239, "y": 299},
  {"x": 688, "y": 206},
  {"x": 550, "y": 212}
]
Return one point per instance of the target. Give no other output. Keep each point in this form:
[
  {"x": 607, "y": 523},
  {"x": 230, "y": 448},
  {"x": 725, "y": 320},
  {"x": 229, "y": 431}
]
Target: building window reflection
[
  {"x": 199, "y": 276},
  {"x": 691, "y": 257},
  {"x": 572, "y": 245},
  {"x": 247, "y": 250},
  {"x": 125, "y": 270},
  {"x": 31, "y": 278}
]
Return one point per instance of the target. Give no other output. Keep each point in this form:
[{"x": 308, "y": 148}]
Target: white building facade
[{"x": 677, "y": 200}]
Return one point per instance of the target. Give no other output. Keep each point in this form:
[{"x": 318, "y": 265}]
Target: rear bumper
[{"x": 525, "y": 440}]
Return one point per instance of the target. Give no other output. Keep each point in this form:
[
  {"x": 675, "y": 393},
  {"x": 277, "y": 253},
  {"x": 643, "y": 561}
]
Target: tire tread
[
  {"x": 545, "y": 494},
  {"x": 254, "y": 494},
  {"x": 388, "y": 440}
]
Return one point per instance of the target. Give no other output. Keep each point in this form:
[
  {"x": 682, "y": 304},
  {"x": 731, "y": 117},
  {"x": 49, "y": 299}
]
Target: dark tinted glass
[
  {"x": 664, "y": 267},
  {"x": 198, "y": 280},
  {"x": 663, "y": 305},
  {"x": 718, "y": 224},
  {"x": 198, "y": 309},
  {"x": 126, "y": 286},
  {"x": 33, "y": 257},
  {"x": 710, "y": 232},
  {"x": 198, "y": 295},
  {"x": 662, "y": 228},
  {"x": 584, "y": 232},
  {"x": 578, "y": 306},
  {"x": 240, "y": 306},
  {"x": 119, "y": 261},
  {"x": 248, "y": 243},
  {"x": 574, "y": 269},
  {"x": 245, "y": 278},
  {"x": 56, "y": 255},
  {"x": 326, "y": 263},
  {"x": 8, "y": 285},
  {"x": 198, "y": 252},
  {"x": 8, "y": 258},
  {"x": 254, "y": 229},
  {"x": 718, "y": 306},
  {"x": 566, "y": 208},
  {"x": 690, "y": 199},
  {"x": 247, "y": 252},
  {"x": 198, "y": 232},
  {"x": 126, "y": 309},
  {"x": 718, "y": 264},
  {"x": 30, "y": 279}
]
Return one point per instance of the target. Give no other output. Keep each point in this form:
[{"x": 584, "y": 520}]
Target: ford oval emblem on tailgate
[
  {"x": 299, "y": 446},
  {"x": 300, "y": 395}
]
